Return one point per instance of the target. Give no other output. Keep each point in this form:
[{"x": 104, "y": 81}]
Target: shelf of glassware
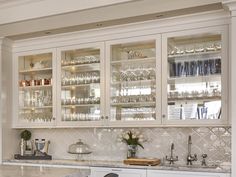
[
  {"x": 80, "y": 86},
  {"x": 133, "y": 80},
  {"x": 194, "y": 84},
  {"x": 35, "y": 87}
]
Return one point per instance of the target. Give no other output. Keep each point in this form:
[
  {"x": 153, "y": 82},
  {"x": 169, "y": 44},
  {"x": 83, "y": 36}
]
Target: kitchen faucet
[
  {"x": 190, "y": 157},
  {"x": 172, "y": 159}
]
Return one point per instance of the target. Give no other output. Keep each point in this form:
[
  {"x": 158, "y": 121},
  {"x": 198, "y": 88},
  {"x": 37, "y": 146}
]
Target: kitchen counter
[
  {"x": 117, "y": 164},
  {"x": 33, "y": 171}
]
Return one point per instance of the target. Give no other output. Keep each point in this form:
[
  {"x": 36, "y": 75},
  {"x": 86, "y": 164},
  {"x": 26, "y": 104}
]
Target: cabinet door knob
[
  {"x": 53, "y": 118},
  {"x": 106, "y": 117},
  {"x": 163, "y": 116},
  {"x": 102, "y": 117}
]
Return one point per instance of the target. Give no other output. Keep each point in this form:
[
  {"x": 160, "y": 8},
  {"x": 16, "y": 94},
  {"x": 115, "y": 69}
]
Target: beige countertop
[
  {"x": 34, "y": 171},
  {"x": 118, "y": 164}
]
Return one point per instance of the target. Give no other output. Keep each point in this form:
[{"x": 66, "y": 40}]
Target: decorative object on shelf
[
  {"x": 31, "y": 65},
  {"x": 26, "y": 146},
  {"x": 39, "y": 149},
  {"x": 133, "y": 139},
  {"x": 39, "y": 65}
]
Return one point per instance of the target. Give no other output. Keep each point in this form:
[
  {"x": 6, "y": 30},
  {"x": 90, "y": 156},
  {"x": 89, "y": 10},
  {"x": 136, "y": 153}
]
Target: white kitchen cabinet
[
  {"x": 194, "y": 77},
  {"x": 163, "y": 173},
  {"x": 133, "y": 70},
  {"x": 176, "y": 78},
  {"x": 117, "y": 172},
  {"x": 34, "y": 88},
  {"x": 81, "y": 85}
]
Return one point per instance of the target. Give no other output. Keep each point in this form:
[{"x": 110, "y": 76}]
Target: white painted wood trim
[
  {"x": 59, "y": 122},
  {"x": 15, "y": 98},
  {"x": 223, "y": 30},
  {"x": 233, "y": 93},
  {"x": 194, "y": 21},
  {"x": 157, "y": 40}
]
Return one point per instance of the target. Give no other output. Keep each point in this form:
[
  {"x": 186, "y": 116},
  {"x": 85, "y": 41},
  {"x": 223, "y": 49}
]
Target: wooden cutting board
[{"x": 142, "y": 161}]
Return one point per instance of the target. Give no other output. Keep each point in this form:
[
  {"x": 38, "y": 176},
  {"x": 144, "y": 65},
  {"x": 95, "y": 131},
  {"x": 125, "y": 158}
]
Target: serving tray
[
  {"x": 32, "y": 157},
  {"x": 142, "y": 161}
]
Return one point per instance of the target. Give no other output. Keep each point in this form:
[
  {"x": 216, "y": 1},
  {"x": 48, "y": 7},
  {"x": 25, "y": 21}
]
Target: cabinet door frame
[
  {"x": 147, "y": 123},
  {"x": 15, "y": 82},
  {"x": 63, "y": 124},
  {"x": 223, "y": 30}
]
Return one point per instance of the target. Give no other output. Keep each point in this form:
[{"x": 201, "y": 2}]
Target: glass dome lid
[{"x": 79, "y": 148}]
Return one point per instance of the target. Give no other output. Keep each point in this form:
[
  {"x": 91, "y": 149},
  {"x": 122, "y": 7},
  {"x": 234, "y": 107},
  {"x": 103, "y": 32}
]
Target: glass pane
[
  {"x": 80, "y": 85},
  {"x": 35, "y": 88},
  {"x": 194, "y": 78},
  {"x": 133, "y": 81}
]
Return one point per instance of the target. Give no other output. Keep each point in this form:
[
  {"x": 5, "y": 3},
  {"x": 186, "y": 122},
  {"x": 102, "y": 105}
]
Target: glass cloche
[{"x": 79, "y": 148}]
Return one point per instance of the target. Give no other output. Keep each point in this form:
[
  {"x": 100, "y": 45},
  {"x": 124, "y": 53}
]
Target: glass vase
[{"x": 132, "y": 150}]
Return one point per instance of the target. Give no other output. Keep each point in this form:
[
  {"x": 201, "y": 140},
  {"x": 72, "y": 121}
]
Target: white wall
[{"x": 9, "y": 137}]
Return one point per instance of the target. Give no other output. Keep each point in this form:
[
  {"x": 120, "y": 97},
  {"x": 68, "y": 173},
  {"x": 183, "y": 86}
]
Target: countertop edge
[{"x": 108, "y": 164}]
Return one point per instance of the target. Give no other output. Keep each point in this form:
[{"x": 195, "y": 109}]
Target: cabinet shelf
[
  {"x": 132, "y": 82},
  {"x": 82, "y": 67},
  {"x": 36, "y": 87},
  {"x": 133, "y": 104},
  {"x": 77, "y": 86},
  {"x": 194, "y": 79},
  {"x": 79, "y": 105},
  {"x": 36, "y": 71},
  {"x": 146, "y": 60},
  {"x": 35, "y": 107},
  {"x": 204, "y": 98},
  {"x": 183, "y": 56}
]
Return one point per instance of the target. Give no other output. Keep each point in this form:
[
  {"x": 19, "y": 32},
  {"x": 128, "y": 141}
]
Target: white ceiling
[
  {"x": 29, "y": 16},
  {"x": 20, "y": 10}
]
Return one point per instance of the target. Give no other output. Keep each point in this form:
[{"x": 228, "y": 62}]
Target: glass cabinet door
[
  {"x": 80, "y": 83},
  {"x": 194, "y": 77},
  {"x": 133, "y": 81},
  {"x": 35, "y": 89}
]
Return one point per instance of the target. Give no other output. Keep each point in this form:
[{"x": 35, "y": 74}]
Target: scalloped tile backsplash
[{"x": 214, "y": 141}]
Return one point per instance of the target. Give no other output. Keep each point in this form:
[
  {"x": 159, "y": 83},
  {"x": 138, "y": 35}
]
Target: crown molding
[{"x": 230, "y": 5}]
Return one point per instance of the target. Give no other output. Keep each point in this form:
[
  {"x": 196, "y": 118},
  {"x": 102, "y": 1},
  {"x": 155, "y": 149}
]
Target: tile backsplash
[{"x": 214, "y": 141}]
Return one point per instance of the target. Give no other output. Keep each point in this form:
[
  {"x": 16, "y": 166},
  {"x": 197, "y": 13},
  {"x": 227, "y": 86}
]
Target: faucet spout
[
  {"x": 190, "y": 157},
  {"x": 172, "y": 159}
]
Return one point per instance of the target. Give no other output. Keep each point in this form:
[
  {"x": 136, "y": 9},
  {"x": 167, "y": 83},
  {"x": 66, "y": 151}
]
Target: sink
[{"x": 191, "y": 166}]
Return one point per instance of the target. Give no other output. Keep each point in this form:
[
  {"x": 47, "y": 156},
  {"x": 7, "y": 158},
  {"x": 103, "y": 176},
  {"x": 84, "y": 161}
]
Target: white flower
[
  {"x": 141, "y": 136},
  {"x": 119, "y": 140},
  {"x": 134, "y": 136},
  {"x": 126, "y": 136},
  {"x": 137, "y": 132},
  {"x": 141, "y": 140}
]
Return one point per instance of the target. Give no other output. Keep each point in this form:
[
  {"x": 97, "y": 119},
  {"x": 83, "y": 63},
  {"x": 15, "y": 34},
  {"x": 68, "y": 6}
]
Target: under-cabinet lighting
[
  {"x": 159, "y": 16},
  {"x": 48, "y": 32},
  {"x": 99, "y": 25}
]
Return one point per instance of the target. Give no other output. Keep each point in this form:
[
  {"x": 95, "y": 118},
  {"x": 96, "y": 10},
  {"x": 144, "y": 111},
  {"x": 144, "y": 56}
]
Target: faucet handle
[
  {"x": 172, "y": 159},
  {"x": 204, "y": 156}
]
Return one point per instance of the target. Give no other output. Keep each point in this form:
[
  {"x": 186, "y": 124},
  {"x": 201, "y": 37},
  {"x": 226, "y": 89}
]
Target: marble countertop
[
  {"x": 34, "y": 171},
  {"x": 119, "y": 164}
]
